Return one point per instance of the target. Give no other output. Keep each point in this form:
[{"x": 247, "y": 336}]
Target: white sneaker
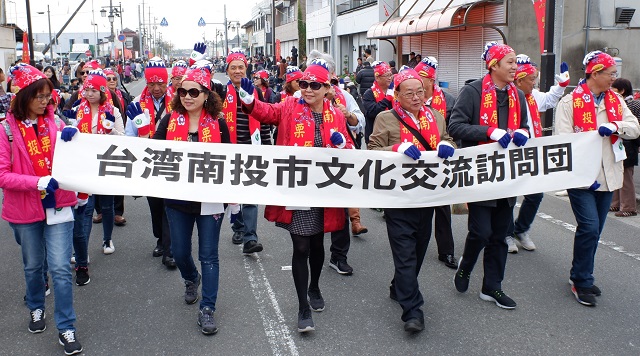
[
  {"x": 108, "y": 248},
  {"x": 513, "y": 248},
  {"x": 525, "y": 241},
  {"x": 562, "y": 193},
  {"x": 73, "y": 260}
]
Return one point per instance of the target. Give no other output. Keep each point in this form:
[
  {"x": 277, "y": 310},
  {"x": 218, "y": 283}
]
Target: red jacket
[
  {"x": 18, "y": 179},
  {"x": 281, "y": 114}
]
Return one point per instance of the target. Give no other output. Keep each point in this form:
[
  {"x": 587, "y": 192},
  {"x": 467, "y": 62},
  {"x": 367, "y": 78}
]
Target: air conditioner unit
[{"x": 624, "y": 14}]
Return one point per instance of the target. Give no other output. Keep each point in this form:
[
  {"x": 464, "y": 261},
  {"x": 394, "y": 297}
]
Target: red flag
[
  {"x": 25, "y": 48},
  {"x": 540, "y": 8}
]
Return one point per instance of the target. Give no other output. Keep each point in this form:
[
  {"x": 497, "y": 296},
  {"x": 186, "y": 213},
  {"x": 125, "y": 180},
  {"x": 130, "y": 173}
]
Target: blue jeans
[
  {"x": 80, "y": 239},
  {"x": 527, "y": 214},
  {"x": 181, "y": 228},
  {"x": 247, "y": 222},
  {"x": 106, "y": 204},
  {"x": 590, "y": 209},
  {"x": 36, "y": 240}
]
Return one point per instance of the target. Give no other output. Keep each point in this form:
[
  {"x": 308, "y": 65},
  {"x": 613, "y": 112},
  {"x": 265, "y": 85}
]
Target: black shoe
[
  {"x": 82, "y": 276},
  {"x": 596, "y": 291},
  {"x": 71, "y": 344},
  {"x": 206, "y": 321},
  {"x": 449, "y": 261},
  {"x": 158, "y": 251},
  {"x": 237, "y": 237},
  {"x": 191, "y": 290},
  {"x": 316, "y": 302},
  {"x": 251, "y": 246},
  {"x": 37, "y": 324},
  {"x": 584, "y": 296},
  {"x": 497, "y": 296},
  {"x": 413, "y": 325},
  {"x": 461, "y": 279},
  {"x": 341, "y": 266},
  {"x": 305, "y": 321},
  {"x": 169, "y": 262}
]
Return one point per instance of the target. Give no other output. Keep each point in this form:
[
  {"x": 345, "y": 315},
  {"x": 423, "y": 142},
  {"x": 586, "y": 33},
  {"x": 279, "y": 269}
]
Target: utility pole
[
  {"x": 142, "y": 45},
  {"x": 226, "y": 32},
  {"x": 30, "y": 35}
]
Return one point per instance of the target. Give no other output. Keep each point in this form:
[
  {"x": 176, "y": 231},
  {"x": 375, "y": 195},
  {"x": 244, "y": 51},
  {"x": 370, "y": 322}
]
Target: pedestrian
[
  {"x": 195, "y": 119},
  {"x": 245, "y": 130},
  {"x": 282, "y": 71},
  {"x": 536, "y": 102},
  {"x": 624, "y": 199},
  {"x": 177, "y": 72},
  {"x": 494, "y": 97},
  {"x": 365, "y": 77},
  {"x": 96, "y": 115},
  {"x": 50, "y": 72},
  {"x": 378, "y": 97},
  {"x": 405, "y": 129},
  {"x": 127, "y": 72},
  {"x": 359, "y": 65},
  {"x": 291, "y": 86},
  {"x": 294, "y": 56},
  {"x": 39, "y": 213},
  {"x": 413, "y": 61},
  {"x": 324, "y": 127},
  {"x": 261, "y": 82},
  {"x": 156, "y": 99},
  {"x": 442, "y": 102},
  {"x": 368, "y": 57},
  {"x": 593, "y": 98},
  {"x": 392, "y": 65}
]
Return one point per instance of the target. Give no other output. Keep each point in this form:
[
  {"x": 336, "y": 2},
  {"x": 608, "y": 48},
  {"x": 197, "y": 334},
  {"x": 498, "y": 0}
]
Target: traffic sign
[
  {"x": 88, "y": 53},
  {"x": 201, "y": 23},
  {"x": 146, "y": 51},
  {"x": 164, "y": 22},
  {"x": 122, "y": 38}
]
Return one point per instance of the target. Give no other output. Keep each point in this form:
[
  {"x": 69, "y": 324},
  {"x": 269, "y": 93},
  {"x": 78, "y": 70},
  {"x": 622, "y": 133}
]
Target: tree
[{"x": 302, "y": 30}]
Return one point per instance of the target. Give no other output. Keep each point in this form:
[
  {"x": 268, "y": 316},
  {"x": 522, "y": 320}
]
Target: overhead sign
[
  {"x": 164, "y": 22},
  {"x": 201, "y": 23}
]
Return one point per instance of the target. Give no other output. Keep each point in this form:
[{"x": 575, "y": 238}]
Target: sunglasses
[
  {"x": 314, "y": 85},
  {"x": 193, "y": 92},
  {"x": 112, "y": 79},
  {"x": 83, "y": 72}
]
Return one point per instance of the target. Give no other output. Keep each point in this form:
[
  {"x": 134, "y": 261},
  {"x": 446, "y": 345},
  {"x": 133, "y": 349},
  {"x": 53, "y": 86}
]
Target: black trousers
[
  {"x": 487, "y": 230},
  {"x": 443, "y": 232},
  {"x": 118, "y": 205},
  {"x": 341, "y": 241},
  {"x": 409, "y": 232},
  {"x": 160, "y": 224}
]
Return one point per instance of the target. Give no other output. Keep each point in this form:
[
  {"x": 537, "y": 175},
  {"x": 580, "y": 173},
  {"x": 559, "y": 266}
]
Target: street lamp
[{"x": 113, "y": 12}]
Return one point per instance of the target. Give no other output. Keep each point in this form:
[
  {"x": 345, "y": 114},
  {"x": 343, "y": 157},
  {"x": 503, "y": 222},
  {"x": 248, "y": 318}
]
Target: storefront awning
[{"x": 427, "y": 21}]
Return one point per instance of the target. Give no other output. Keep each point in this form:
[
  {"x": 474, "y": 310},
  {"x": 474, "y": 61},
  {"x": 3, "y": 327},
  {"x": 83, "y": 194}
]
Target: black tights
[{"x": 305, "y": 248}]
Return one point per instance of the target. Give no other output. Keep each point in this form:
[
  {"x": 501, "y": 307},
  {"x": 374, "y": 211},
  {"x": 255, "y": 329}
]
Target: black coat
[{"x": 365, "y": 77}]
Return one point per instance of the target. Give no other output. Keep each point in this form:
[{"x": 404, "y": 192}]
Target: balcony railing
[{"x": 349, "y": 5}]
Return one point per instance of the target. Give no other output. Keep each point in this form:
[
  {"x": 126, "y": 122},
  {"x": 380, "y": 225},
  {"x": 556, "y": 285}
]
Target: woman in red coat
[{"x": 324, "y": 126}]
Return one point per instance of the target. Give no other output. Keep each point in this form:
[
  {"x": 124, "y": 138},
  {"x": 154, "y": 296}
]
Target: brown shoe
[
  {"x": 119, "y": 220},
  {"x": 97, "y": 219},
  {"x": 357, "y": 228}
]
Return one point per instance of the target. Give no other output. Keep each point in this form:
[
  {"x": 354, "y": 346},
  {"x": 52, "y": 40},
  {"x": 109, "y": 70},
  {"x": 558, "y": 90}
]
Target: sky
[{"x": 182, "y": 30}]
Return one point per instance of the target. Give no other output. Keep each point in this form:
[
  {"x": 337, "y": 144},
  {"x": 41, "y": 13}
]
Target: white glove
[
  {"x": 297, "y": 94},
  {"x": 142, "y": 120},
  {"x": 234, "y": 208},
  {"x": 497, "y": 134},
  {"x": 82, "y": 202},
  {"x": 43, "y": 182}
]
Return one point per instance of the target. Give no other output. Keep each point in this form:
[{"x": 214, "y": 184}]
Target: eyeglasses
[
  {"x": 193, "y": 92},
  {"x": 386, "y": 76},
  {"x": 410, "y": 95},
  {"x": 314, "y": 85},
  {"x": 112, "y": 79},
  {"x": 43, "y": 97},
  {"x": 83, "y": 72},
  {"x": 612, "y": 74}
]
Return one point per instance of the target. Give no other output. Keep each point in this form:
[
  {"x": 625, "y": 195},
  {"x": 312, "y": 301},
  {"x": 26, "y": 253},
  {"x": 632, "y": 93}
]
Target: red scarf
[
  {"x": 535, "y": 115},
  {"x": 38, "y": 146},
  {"x": 229, "y": 109},
  {"x": 305, "y": 125},
  {"x": 339, "y": 97},
  {"x": 428, "y": 127},
  {"x": 146, "y": 102},
  {"x": 85, "y": 116},
  {"x": 208, "y": 128},
  {"x": 438, "y": 102},
  {"x": 283, "y": 95},
  {"x": 489, "y": 105},
  {"x": 120, "y": 98},
  {"x": 377, "y": 92}
]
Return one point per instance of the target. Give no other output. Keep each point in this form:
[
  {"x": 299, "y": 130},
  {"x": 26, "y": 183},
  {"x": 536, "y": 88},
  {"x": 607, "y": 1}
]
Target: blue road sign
[
  {"x": 164, "y": 22},
  {"x": 201, "y": 23},
  {"x": 121, "y": 38}
]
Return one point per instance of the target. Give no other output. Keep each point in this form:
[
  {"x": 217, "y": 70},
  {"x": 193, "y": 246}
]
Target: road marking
[
  {"x": 272, "y": 319},
  {"x": 286, "y": 268},
  {"x": 610, "y": 244}
]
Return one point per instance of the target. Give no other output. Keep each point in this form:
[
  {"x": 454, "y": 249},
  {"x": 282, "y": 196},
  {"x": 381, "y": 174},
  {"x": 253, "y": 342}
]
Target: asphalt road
[{"x": 135, "y": 306}]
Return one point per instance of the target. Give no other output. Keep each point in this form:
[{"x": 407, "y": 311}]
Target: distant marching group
[{"x": 400, "y": 108}]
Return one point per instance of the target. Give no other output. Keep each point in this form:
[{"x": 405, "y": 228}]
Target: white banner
[{"x": 322, "y": 177}]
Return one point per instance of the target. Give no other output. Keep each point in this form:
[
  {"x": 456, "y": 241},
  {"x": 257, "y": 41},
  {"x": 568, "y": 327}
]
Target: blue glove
[
  {"x": 595, "y": 185},
  {"x": 564, "y": 67},
  {"x": 109, "y": 121},
  {"x": 607, "y": 129},
  {"x": 246, "y": 91},
  {"x": 499, "y": 135},
  {"x": 408, "y": 149},
  {"x": 76, "y": 103},
  {"x": 198, "y": 53},
  {"x": 133, "y": 110},
  {"x": 67, "y": 133},
  {"x": 48, "y": 186},
  {"x": 337, "y": 139},
  {"x": 52, "y": 186},
  {"x": 445, "y": 149},
  {"x": 520, "y": 137},
  {"x": 71, "y": 114},
  {"x": 200, "y": 47}
]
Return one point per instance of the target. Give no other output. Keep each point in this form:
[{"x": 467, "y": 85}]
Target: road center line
[{"x": 272, "y": 318}]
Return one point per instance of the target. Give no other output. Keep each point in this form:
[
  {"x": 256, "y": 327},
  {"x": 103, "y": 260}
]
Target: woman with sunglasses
[
  {"x": 195, "y": 118},
  {"x": 40, "y": 214},
  {"x": 291, "y": 85},
  {"x": 324, "y": 126},
  {"x": 261, "y": 81}
]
